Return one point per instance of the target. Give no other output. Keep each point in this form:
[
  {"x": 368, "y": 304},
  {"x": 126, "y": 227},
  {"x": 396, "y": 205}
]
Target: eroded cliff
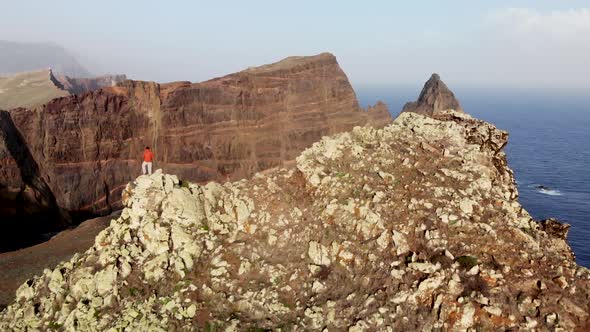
[
  {"x": 89, "y": 146},
  {"x": 27, "y": 205},
  {"x": 413, "y": 227}
]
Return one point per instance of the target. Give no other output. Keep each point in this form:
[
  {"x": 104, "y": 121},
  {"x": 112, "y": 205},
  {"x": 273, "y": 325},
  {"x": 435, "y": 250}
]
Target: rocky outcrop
[
  {"x": 413, "y": 227},
  {"x": 35, "y": 88},
  {"x": 80, "y": 85},
  {"x": 89, "y": 145},
  {"x": 435, "y": 97},
  {"x": 378, "y": 115},
  {"x": 18, "y": 266}
]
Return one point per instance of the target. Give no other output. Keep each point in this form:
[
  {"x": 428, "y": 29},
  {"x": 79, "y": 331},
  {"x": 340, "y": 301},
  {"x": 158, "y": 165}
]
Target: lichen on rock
[{"x": 413, "y": 227}]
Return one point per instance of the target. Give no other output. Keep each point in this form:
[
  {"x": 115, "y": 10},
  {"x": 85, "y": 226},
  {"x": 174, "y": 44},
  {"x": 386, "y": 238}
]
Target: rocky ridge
[
  {"x": 18, "y": 266},
  {"x": 413, "y": 227},
  {"x": 88, "y": 146}
]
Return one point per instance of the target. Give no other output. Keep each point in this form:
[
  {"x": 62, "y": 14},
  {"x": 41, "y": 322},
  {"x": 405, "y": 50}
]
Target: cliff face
[
  {"x": 82, "y": 145},
  {"x": 26, "y": 201},
  {"x": 89, "y": 146},
  {"x": 416, "y": 226},
  {"x": 434, "y": 97},
  {"x": 257, "y": 118}
]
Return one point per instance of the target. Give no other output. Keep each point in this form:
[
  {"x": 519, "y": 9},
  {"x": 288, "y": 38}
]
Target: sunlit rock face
[
  {"x": 89, "y": 146},
  {"x": 413, "y": 227}
]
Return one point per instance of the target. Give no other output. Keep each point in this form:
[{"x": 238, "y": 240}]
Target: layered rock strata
[
  {"x": 413, "y": 227},
  {"x": 27, "y": 205},
  {"x": 434, "y": 97},
  {"x": 89, "y": 146}
]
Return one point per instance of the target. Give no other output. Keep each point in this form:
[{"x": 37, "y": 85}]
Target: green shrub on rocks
[
  {"x": 54, "y": 326},
  {"x": 340, "y": 174},
  {"x": 466, "y": 262},
  {"x": 132, "y": 291},
  {"x": 211, "y": 327}
]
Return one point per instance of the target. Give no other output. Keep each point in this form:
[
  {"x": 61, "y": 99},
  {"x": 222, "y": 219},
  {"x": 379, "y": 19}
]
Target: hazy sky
[{"x": 481, "y": 43}]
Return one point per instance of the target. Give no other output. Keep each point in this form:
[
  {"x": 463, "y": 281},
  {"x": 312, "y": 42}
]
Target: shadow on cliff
[{"x": 28, "y": 209}]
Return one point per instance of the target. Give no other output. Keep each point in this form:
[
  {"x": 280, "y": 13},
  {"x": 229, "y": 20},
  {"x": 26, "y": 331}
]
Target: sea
[{"x": 548, "y": 148}]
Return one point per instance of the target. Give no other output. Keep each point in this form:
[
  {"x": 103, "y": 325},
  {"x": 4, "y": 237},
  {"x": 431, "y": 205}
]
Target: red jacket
[{"x": 148, "y": 156}]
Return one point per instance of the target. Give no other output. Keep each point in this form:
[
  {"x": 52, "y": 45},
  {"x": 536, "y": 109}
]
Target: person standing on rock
[{"x": 148, "y": 157}]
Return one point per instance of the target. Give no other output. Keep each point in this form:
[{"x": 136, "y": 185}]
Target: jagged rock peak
[
  {"x": 435, "y": 97},
  {"x": 415, "y": 226}
]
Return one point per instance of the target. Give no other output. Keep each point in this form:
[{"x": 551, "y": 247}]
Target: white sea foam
[{"x": 550, "y": 192}]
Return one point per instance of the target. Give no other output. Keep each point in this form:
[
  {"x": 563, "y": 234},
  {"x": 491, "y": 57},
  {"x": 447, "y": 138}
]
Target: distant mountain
[
  {"x": 18, "y": 57},
  {"x": 35, "y": 88}
]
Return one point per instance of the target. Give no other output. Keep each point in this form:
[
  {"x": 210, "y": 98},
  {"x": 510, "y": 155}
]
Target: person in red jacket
[{"x": 148, "y": 157}]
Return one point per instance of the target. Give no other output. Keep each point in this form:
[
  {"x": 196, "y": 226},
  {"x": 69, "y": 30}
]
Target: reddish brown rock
[
  {"x": 435, "y": 97},
  {"x": 27, "y": 205},
  {"x": 378, "y": 114},
  {"x": 89, "y": 146},
  {"x": 553, "y": 227}
]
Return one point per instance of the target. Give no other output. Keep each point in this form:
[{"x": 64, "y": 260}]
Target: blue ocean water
[{"x": 549, "y": 145}]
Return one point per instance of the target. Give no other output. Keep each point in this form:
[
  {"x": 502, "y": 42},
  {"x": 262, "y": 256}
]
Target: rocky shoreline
[{"x": 413, "y": 227}]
